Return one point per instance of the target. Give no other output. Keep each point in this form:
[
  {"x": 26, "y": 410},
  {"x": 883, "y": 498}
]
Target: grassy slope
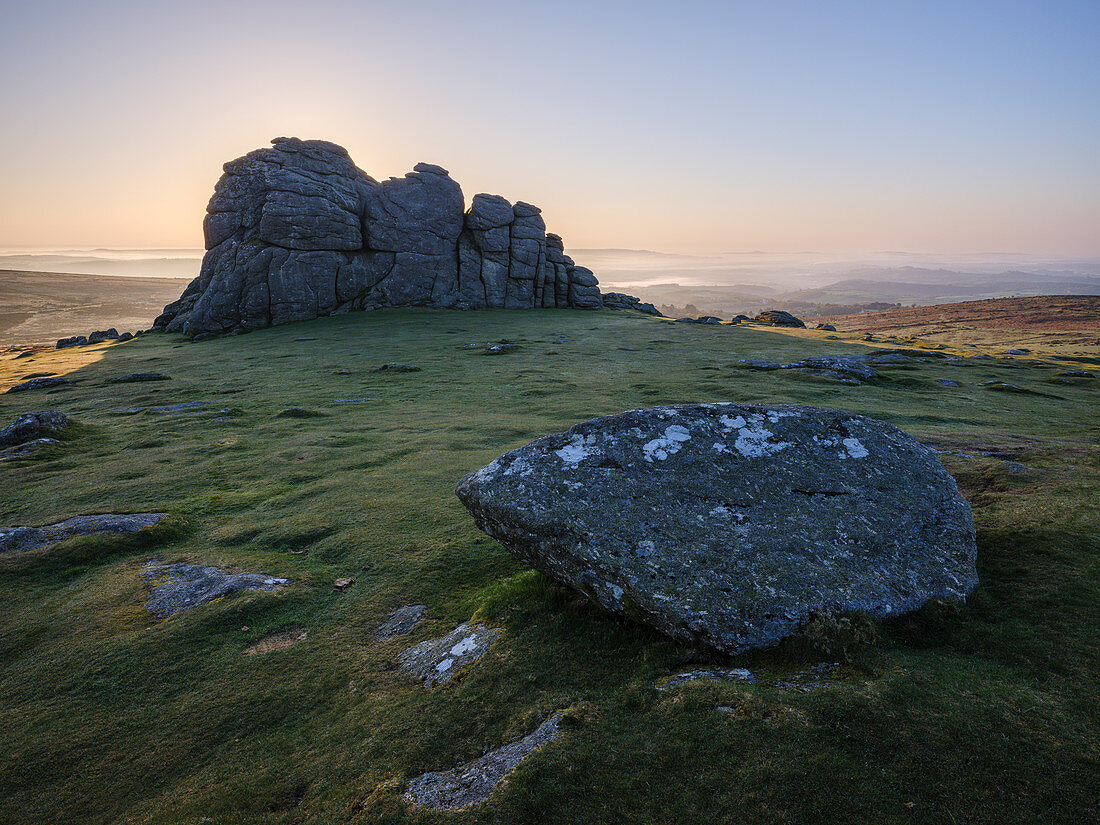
[{"x": 985, "y": 715}]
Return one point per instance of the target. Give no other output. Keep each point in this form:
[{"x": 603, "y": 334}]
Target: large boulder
[
  {"x": 297, "y": 231},
  {"x": 728, "y": 525}
]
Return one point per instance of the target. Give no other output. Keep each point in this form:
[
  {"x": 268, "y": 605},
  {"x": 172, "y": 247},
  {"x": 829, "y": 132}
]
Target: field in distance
[
  {"x": 1063, "y": 323},
  {"x": 40, "y": 307}
]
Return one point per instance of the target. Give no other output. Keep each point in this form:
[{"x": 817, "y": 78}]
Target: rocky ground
[{"x": 288, "y": 460}]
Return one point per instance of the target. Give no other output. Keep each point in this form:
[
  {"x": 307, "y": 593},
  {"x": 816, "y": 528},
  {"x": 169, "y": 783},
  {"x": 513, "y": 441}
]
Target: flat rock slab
[
  {"x": 140, "y": 377},
  {"x": 27, "y": 448},
  {"x": 176, "y": 587},
  {"x": 393, "y": 366},
  {"x": 438, "y": 661},
  {"x": 473, "y": 783},
  {"x": 401, "y": 621},
  {"x": 728, "y": 525},
  {"x": 40, "y": 384},
  {"x": 811, "y": 678},
  {"x": 15, "y": 539}
]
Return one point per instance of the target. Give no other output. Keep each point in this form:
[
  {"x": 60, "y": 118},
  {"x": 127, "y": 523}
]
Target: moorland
[{"x": 977, "y": 713}]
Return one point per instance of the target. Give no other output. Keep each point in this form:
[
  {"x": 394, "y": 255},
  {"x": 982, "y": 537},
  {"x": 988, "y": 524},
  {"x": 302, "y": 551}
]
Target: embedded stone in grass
[
  {"x": 299, "y": 412},
  {"x": 394, "y": 366},
  {"x": 177, "y": 587},
  {"x": 140, "y": 377},
  {"x": 947, "y": 382},
  {"x": 473, "y": 783},
  {"x": 280, "y": 640},
  {"x": 41, "y": 384},
  {"x": 343, "y": 584},
  {"x": 813, "y": 677},
  {"x": 27, "y": 448},
  {"x": 757, "y": 364},
  {"x": 729, "y": 525},
  {"x": 500, "y": 349},
  {"x": 16, "y": 539},
  {"x": 401, "y": 621},
  {"x": 438, "y": 661}
]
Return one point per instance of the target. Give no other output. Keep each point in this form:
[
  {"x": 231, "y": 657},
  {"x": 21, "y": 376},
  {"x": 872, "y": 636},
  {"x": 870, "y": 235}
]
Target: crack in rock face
[
  {"x": 14, "y": 539},
  {"x": 438, "y": 661},
  {"x": 727, "y": 525},
  {"x": 473, "y": 783},
  {"x": 177, "y": 587}
]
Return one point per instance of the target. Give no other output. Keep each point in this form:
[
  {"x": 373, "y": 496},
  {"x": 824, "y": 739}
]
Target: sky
[{"x": 694, "y": 127}]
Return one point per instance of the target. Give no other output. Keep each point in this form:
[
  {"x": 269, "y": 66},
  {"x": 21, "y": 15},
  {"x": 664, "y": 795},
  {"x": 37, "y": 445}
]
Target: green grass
[{"x": 984, "y": 714}]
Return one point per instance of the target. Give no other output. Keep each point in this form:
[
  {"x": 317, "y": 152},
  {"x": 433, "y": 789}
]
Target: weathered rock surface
[
  {"x": 401, "y": 621},
  {"x": 438, "y": 661},
  {"x": 30, "y": 426},
  {"x": 101, "y": 335},
  {"x": 40, "y": 384},
  {"x": 16, "y": 539},
  {"x": 620, "y": 300},
  {"x": 474, "y": 782},
  {"x": 728, "y": 525},
  {"x": 74, "y": 341},
  {"x": 779, "y": 318},
  {"x": 176, "y": 587},
  {"x": 297, "y": 231}
]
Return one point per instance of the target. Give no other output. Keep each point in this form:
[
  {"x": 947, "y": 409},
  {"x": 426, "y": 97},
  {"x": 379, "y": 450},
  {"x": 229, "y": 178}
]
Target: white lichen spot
[
  {"x": 752, "y": 439},
  {"x": 465, "y": 646},
  {"x": 663, "y": 446},
  {"x": 577, "y": 450},
  {"x": 721, "y": 511},
  {"x": 719, "y": 447},
  {"x": 489, "y": 470},
  {"x": 444, "y": 666},
  {"x": 854, "y": 448},
  {"x": 729, "y": 424}
]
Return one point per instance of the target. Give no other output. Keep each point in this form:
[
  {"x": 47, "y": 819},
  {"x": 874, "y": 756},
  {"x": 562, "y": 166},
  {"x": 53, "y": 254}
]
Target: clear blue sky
[{"x": 694, "y": 126}]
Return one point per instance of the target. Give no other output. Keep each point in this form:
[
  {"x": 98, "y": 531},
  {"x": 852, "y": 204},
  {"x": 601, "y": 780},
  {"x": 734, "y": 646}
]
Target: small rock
[
  {"x": 41, "y": 384},
  {"x": 473, "y": 783},
  {"x": 829, "y": 365},
  {"x": 139, "y": 377},
  {"x": 74, "y": 341},
  {"x": 438, "y": 661},
  {"x": 401, "y": 621},
  {"x": 826, "y": 327},
  {"x": 500, "y": 349},
  {"x": 737, "y": 674},
  {"x": 396, "y": 367},
  {"x": 708, "y": 319},
  {"x": 17, "y": 539},
  {"x": 101, "y": 335},
  {"x": 177, "y": 587},
  {"x": 779, "y": 318},
  {"x": 31, "y": 426},
  {"x": 947, "y": 382},
  {"x": 126, "y": 336},
  {"x": 343, "y": 584}
]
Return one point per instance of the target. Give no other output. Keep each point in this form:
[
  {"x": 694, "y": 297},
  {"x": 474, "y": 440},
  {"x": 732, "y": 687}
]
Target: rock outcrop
[
  {"x": 18, "y": 539},
  {"x": 30, "y": 426},
  {"x": 297, "y": 231},
  {"x": 730, "y": 525}
]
